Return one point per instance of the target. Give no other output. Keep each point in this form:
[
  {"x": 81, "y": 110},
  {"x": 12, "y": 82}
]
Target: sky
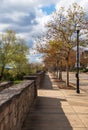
[{"x": 28, "y": 17}]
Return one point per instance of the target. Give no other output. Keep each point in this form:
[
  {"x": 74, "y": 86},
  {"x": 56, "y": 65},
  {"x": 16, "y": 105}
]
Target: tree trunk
[
  {"x": 60, "y": 71},
  {"x": 67, "y": 70},
  {"x": 57, "y": 69},
  {"x": 2, "y": 72}
]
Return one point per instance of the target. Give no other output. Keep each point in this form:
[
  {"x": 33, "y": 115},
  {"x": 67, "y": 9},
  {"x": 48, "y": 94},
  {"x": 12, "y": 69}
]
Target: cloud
[
  {"x": 28, "y": 17},
  {"x": 33, "y": 57},
  {"x": 67, "y": 3}
]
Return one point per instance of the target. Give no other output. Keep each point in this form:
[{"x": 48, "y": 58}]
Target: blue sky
[
  {"x": 48, "y": 9},
  {"x": 28, "y": 17}
]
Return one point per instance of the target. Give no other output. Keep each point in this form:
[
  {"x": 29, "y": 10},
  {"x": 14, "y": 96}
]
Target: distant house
[
  {"x": 82, "y": 50},
  {"x": 86, "y": 52},
  {"x": 8, "y": 67}
]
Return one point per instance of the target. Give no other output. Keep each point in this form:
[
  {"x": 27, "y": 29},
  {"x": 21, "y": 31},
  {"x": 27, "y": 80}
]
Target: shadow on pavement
[
  {"x": 46, "y": 83},
  {"x": 47, "y": 114}
]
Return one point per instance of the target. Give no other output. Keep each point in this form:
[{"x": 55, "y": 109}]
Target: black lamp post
[{"x": 77, "y": 60}]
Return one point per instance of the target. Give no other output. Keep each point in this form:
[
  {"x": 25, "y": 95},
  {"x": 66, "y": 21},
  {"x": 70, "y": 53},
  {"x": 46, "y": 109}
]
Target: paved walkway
[
  {"x": 83, "y": 79},
  {"x": 57, "y": 109}
]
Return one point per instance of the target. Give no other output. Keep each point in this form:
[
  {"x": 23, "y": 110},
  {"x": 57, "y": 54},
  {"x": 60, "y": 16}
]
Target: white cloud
[
  {"x": 84, "y": 4},
  {"x": 66, "y": 3},
  {"x": 38, "y": 59},
  {"x": 27, "y": 18},
  {"x": 34, "y": 57},
  {"x": 3, "y": 26}
]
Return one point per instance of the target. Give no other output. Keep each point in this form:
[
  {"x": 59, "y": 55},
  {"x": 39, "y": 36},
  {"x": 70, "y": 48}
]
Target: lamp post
[{"x": 77, "y": 60}]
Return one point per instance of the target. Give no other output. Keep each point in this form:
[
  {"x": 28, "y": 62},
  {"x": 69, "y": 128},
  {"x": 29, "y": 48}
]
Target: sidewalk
[
  {"x": 57, "y": 109},
  {"x": 83, "y": 79}
]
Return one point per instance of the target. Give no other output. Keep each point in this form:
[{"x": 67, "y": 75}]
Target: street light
[{"x": 77, "y": 59}]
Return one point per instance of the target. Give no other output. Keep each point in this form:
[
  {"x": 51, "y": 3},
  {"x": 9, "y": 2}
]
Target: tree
[
  {"x": 8, "y": 39},
  {"x": 19, "y": 55},
  {"x": 13, "y": 52},
  {"x": 52, "y": 53},
  {"x": 63, "y": 26}
]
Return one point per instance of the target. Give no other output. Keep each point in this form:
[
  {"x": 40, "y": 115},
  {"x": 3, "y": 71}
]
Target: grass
[{"x": 17, "y": 81}]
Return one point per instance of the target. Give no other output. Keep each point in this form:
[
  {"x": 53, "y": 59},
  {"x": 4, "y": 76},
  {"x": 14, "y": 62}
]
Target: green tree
[
  {"x": 13, "y": 52},
  {"x": 19, "y": 55},
  {"x": 8, "y": 39}
]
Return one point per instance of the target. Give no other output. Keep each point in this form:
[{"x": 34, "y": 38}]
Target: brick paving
[{"x": 57, "y": 109}]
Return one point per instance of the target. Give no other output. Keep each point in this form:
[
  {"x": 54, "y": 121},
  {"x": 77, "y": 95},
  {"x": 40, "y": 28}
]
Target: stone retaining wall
[
  {"x": 15, "y": 103},
  {"x": 38, "y": 77},
  {"x": 5, "y": 85}
]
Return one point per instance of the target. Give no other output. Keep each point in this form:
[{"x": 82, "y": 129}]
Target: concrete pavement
[
  {"x": 83, "y": 79},
  {"x": 57, "y": 109}
]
